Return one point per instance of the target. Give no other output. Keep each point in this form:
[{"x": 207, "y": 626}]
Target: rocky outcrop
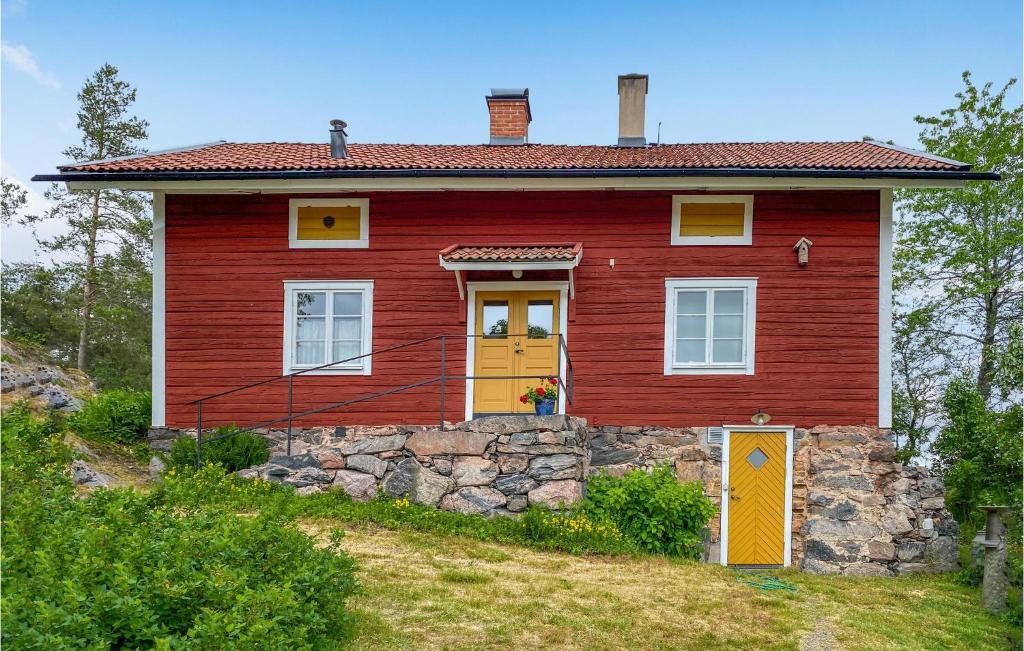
[
  {"x": 84, "y": 475},
  {"x": 47, "y": 385}
]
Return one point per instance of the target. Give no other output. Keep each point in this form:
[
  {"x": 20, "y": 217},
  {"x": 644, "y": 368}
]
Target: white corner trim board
[
  {"x": 706, "y": 240},
  {"x": 159, "y": 328},
  {"x": 523, "y": 286},
  {"x": 787, "y": 430},
  {"x": 293, "y": 224},
  {"x": 885, "y": 235}
]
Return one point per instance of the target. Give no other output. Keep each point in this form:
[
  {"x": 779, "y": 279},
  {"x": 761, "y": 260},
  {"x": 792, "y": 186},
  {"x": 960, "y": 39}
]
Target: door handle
[
  {"x": 518, "y": 351},
  {"x": 732, "y": 496}
]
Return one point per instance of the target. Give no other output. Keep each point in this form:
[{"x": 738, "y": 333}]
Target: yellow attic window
[
  {"x": 712, "y": 219},
  {"x": 328, "y": 223}
]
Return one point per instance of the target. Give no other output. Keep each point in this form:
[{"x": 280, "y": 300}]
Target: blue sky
[{"x": 418, "y": 71}]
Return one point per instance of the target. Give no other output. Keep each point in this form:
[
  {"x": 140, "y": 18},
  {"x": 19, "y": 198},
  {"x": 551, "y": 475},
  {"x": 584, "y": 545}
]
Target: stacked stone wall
[
  {"x": 491, "y": 466},
  {"x": 855, "y": 509}
]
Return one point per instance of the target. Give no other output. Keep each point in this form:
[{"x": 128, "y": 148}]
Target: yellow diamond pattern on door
[
  {"x": 757, "y": 498},
  {"x": 518, "y": 336}
]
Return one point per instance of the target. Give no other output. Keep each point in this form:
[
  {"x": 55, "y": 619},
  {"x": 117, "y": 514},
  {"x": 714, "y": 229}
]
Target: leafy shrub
[
  {"x": 119, "y": 569},
  {"x": 116, "y": 415},
  {"x": 660, "y": 514},
  {"x": 229, "y": 451}
]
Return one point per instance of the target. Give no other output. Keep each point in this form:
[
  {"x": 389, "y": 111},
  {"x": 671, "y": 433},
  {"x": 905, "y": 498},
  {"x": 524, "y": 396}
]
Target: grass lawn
[{"x": 431, "y": 591}]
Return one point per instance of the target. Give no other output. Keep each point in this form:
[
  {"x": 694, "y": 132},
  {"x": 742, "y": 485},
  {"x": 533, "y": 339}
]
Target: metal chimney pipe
[{"x": 339, "y": 146}]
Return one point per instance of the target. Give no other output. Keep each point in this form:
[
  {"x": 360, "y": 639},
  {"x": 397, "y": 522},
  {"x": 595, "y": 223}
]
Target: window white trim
[
  {"x": 672, "y": 288},
  {"x": 723, "y": 537},
  {"x": 293, "y": 223},
  {"x": 705, "y": 240},
  {"x": 562, "y": 287},
  {"x": 292, "y": 287}
]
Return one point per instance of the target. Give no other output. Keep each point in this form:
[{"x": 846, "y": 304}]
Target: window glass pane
[
  {"x": 349, "y": 327},
  {"x": 309, "y": 353},
  {"x": 540, "y": 316},
  {"x": 691, "y": 303},
  {"x": 691, "y": 326},
  {"x": 310, "y": 303},
  {"x": 345, "y": 350},
  {"x": 690, "y": 351},
  {"x": 727, "y": 351},
  {"x": 729, "y": 301},
  {"x": 728, "y": 326},
  {"x": 348, "y": 303},
  {"x": 310, "y": 328},
  {"x": 495, "y": 318}
]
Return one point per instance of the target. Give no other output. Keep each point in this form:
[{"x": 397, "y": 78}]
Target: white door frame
[
  {"x": 561, "y": 286},
  {"x": 788, "y": 528}
]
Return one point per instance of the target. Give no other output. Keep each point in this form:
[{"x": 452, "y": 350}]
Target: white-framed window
[
  {"x": 329, "y": 223},
  {"x": 712, "y": 219},
  {"x": 328, "y": 321},
  {"x": 709, "y": 325}
]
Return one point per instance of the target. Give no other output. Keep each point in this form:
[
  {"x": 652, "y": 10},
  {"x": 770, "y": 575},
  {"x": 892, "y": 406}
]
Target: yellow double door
[
  {"x": 517, "y": 335},
  {"x": 757, "y": 498}
]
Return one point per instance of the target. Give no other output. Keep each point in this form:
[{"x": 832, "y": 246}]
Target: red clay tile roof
[
  {"x": 230, "y": 156},
  {"x": 511, "y": 253}
]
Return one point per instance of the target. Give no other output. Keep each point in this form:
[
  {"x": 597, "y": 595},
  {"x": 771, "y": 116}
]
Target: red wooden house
[{"x": 684, "y": 285}]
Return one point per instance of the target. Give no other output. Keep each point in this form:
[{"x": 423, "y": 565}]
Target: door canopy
[{"x": 461, "y": 258}]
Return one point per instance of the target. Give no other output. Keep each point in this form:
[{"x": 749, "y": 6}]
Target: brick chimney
[{"x": 510, "y": 115}]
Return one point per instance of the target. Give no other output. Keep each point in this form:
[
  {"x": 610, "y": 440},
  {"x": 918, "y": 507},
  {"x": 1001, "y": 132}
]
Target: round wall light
[{"x": 760, "y": 418}]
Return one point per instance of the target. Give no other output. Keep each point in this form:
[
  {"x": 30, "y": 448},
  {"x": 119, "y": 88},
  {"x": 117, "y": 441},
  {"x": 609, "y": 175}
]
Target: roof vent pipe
[
  {"x": 339, "y": 148},
  {"x": 632, "y": 100}
]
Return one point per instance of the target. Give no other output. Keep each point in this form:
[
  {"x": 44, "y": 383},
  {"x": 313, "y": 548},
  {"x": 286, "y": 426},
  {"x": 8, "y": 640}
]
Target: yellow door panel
[
  {"x": 538, "y": 314},
  {"x": 494, "y": 352},
  {"x": 521, "y": 339},
  {"x": 757, "y": 498}
]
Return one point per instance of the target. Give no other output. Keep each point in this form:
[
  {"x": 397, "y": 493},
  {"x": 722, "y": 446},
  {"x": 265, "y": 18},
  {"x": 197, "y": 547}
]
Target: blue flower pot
[{"x": 544, "y": 407}]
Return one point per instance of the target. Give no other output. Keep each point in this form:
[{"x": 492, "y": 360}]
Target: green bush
[
  {"x": 661, "y": 515},
  {"x": 118, "y": 569},
  {"x": 229, "y": 451},
  {"x": 116, "y": 415}
]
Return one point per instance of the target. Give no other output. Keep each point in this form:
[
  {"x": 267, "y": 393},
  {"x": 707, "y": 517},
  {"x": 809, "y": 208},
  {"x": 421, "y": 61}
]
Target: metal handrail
[{"x": 565, "y": 384}]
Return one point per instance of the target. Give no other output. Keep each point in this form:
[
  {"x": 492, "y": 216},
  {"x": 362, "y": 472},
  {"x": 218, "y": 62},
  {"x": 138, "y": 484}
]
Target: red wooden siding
[{"x": 816, "y": 355}]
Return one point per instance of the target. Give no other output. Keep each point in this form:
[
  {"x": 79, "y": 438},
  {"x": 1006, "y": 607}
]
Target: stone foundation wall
[
  {"x": 490, "y": 466},
  {"x": 855, "y": 510}
]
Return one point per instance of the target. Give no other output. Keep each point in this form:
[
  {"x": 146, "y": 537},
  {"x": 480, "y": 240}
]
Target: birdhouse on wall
[{"x": 803, "y": 249}]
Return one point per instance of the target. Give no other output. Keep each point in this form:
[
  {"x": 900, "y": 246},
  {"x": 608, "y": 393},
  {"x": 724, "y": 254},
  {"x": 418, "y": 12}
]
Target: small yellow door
[
  {"x": 757, "y": 498},
  {"x": 518, "y": 336}
]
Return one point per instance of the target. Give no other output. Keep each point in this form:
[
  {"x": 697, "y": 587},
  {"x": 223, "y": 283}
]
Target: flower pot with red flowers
[{"x": 543, "y": 397}]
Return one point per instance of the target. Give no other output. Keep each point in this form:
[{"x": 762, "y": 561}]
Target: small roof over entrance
[
  {"x": 462, "y": 258},
  {"x": 512, "y": 256}
]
